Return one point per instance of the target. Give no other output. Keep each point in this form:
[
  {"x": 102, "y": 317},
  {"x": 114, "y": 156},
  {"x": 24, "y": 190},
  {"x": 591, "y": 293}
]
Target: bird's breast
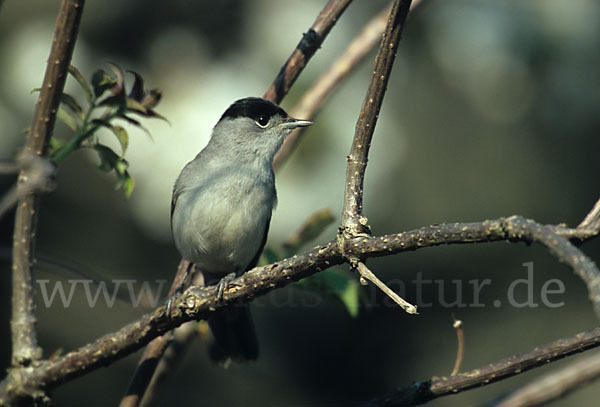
[{"x": 219, "y": 223}]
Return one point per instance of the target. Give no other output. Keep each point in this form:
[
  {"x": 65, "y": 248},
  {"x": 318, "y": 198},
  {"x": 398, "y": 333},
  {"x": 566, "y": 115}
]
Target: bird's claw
[{"x": 223, "y": 284}]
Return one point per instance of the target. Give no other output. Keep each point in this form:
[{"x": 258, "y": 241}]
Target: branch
[
  {"x": 366, "y": 274},
  {"x": 173, "y": 355},
  {"x": 311, "y": 41},
  {"x": 555, "y": 384},
  {"x": 146, "y": 369},
  {"x": 315, "y": 97},
  {"x": 425, "y": 391},
  {"x": 198, "y": 303},
  {"x": 352, "y": 221},
  {"x": 460, "y": 348},
  {"x": 514, "y": 229},
  {"x": 24, "y": 341},
  {"x": 40, "y": 178}
]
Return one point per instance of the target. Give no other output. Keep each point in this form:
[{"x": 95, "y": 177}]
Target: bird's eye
[{"x": 262, "y": 121}]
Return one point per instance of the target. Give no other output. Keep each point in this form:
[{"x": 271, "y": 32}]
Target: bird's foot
[
  {"x": 223, "y": 284},
  {"x": 185, "y": 270}
]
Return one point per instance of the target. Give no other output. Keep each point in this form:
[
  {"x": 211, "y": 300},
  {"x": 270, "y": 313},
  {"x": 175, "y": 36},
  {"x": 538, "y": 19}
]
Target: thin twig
[
  {"x": 368, "y": 275},
  {"x": 555, "y": 385},
  {"x": 460, "y": 347},
  {"x": 315, "y": 97},
  {"x": 24, "y": 341},
  {"x": 422, "y": 392},
  {"x": 592, "y": 220},
  {"x": 40, "y": 177},
  {"x": 589, "y": 227},
  {"x": 352, "y": 220},
  {"x": 311, "y": 41}
]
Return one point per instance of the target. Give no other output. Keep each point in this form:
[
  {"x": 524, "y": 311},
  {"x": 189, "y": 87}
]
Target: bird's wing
[
  {"x": 254, "y": 261},
  {"x": 177, "y": 190}
]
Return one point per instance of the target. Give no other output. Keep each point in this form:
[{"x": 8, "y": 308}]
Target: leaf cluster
[{"x": 107, "y": 105}]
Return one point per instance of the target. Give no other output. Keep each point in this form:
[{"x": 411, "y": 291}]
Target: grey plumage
[{"x": 222, "y": 204}]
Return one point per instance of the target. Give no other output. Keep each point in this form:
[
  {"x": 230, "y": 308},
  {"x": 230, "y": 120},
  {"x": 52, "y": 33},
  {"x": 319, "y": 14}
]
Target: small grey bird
[{"x": 221, "y": 210}]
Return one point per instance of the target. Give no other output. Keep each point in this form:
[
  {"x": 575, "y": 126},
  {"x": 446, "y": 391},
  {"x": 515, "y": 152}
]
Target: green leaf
[
  {"x": 350, "y": 298},
  {"x": 82, "y": 82},
  {"x": 70, "y": 101},
  {"x": 126, "y": 182},
  {"x": 133, "y": 121},
  {"x": 339, "y": 286},
  {"x": 102, "y": 122},
  {"x": 117, "y": 101},
  {"x": 136, "y": 107},
  {"x": 137, "y": 90},
  {"x": 121, "y": 135},
  {"x": 101, "y": 82},
  {"x": 108, "y": 158},
  {"x": 55, "y": 145},
  {"x": 68, "y": 117},
  {"x": 119, "y": 79}
]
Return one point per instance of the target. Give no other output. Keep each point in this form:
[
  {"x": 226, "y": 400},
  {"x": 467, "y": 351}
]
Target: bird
[{"x": 221, "y": 211}]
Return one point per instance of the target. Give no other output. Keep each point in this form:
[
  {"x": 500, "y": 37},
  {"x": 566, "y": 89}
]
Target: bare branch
[
  {"x": 315, "y": 97},
  {"x": 151, "y": 358},
  {"x": 592, "y": 220},
  {"x": 24, "y": 341},
  {"x": 425, "y": 391},
  {"x": 514, "y": 229},
  {"x": 318, "y": 94},
  {"x": 40, "y": 178},
  {"x": 460, "y": 348},
  {"x": 308, "y": 45},
  {"x": 197, "y": 303},
  {"x": 352, "y": 224},
  {"x": 182, "y": 338},
  {"x": 367, "y": 274},
  {"x": 555, "y": 385}
]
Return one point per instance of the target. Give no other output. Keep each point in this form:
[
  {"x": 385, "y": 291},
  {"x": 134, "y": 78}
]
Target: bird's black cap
[{"x": 253, "y": 108}]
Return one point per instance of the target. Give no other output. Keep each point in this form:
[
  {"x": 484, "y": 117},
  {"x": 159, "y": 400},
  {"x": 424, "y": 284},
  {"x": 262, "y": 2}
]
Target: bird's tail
[{"x": 234, "y": 337}]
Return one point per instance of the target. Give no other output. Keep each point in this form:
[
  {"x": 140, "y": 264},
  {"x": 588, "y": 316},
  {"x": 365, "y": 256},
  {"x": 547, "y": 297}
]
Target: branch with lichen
[
  {"x": 421, "y": 392},
  {"x": 198, "y": 302}
]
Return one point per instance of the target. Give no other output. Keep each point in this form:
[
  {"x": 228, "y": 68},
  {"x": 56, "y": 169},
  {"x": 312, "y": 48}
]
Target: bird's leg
[
  {"x": 223, "y": 284},
  {"x": 183, "y": 272}
]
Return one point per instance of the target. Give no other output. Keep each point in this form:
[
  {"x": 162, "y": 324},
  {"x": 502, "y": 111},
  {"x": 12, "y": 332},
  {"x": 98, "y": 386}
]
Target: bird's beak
[{"x": 291, "y": 123}]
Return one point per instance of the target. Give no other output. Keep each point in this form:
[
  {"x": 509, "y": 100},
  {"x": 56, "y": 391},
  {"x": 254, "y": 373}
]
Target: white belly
[{"x": 221, "y": 230}]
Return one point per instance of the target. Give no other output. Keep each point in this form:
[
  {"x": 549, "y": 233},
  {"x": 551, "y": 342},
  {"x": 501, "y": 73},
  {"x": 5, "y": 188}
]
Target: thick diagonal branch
[
  {"x": 24, "y": 342},
  {"x": 199, "y": 302}
]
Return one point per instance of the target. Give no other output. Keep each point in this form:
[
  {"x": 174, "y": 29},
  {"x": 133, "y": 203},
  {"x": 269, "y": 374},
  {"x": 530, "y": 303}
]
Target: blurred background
[{"x": 492, "y": 110}]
